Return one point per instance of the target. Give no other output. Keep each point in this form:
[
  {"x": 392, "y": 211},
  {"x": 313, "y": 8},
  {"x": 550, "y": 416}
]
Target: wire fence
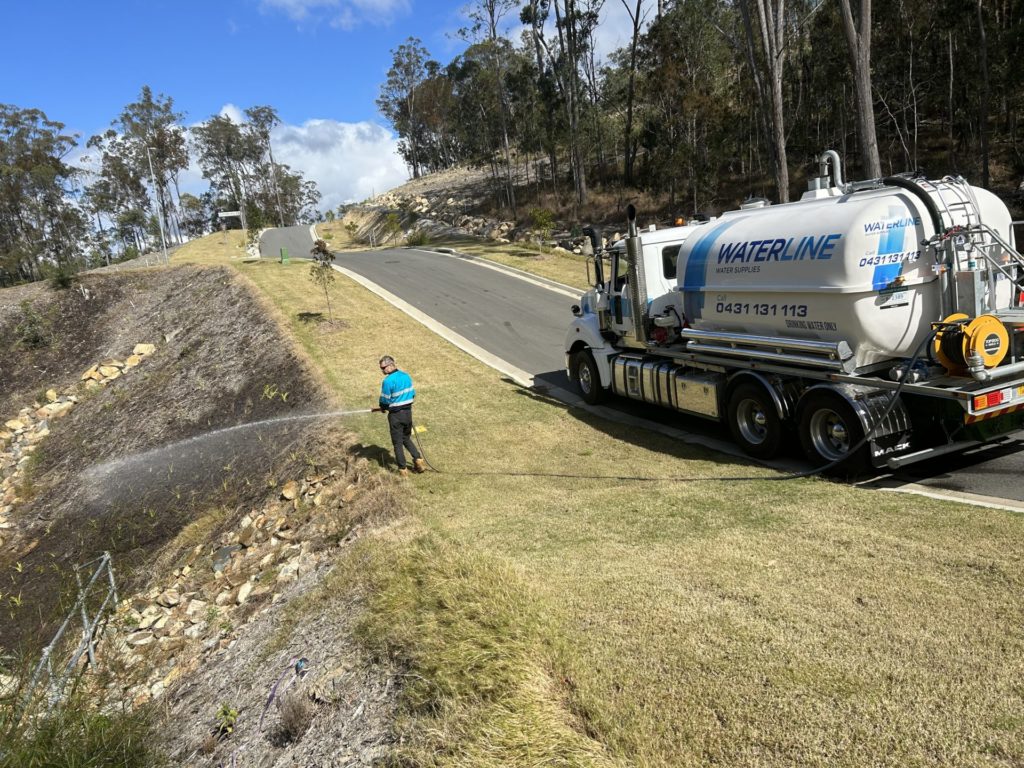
[{"x": 55, "y": 680}]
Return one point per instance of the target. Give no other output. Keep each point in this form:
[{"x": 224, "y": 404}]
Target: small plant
[
  {"x": 321, "y": 271},
  {"x": 543, "y": 221},
  {"x": 63, "y": 278},
  {"x": 33, "y": 329},
  {"x": 352, "y": 229},
  {"x": 296, "y": 717},
  {"x": 270, "y": 391},
  {"x": 393, "y": 225},
  {"x": 419, "y": 237},
  {"x": 227, "y": 716}
]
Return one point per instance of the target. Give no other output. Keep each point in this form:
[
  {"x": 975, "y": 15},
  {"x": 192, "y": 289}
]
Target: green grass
[
  {"x": 552, "y": 608},
  {"x": 77, "y": 734}
]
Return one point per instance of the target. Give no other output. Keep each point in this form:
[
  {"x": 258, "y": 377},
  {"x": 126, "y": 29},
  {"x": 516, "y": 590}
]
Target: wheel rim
[
  {"x": 584, "y": 375},
  {"x": 752, "y": 421},
  {"x": 829, "y": 434}
]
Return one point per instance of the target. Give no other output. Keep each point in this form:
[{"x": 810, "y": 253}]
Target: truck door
[{"x": 620, "y": 303}]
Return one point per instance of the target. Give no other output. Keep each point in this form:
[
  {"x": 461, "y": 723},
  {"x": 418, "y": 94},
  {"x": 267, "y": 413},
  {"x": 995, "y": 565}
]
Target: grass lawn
[{"x": 568, "y": 591}]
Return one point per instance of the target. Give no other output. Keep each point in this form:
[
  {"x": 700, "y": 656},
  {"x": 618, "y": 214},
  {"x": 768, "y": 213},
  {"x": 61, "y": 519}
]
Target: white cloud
[
  {"x": 343, "y": 14},
  {"x": 348, "y": 161},
  {"x": 233, "y": 113}
]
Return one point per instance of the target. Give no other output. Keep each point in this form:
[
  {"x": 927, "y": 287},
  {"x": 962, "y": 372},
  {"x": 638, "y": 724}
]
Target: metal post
[
  {"x": 83, "y": 599},
  {"x": 159, "y": 205}
]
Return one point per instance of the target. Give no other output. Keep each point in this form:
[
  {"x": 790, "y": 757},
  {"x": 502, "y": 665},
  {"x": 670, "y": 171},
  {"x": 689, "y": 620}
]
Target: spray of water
[{"x": 204, "y": 447}]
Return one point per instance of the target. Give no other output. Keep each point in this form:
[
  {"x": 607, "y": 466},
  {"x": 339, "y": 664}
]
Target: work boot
[
  {"x": 419, "y": 466},
  {"x": 403, "y": 472}
]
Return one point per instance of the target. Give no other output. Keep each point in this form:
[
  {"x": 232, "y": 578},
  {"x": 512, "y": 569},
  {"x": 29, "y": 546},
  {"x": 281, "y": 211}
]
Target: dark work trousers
[{"x": 400, "y": 422}]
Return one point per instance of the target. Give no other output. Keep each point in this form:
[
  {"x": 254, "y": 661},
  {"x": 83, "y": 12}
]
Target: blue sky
[{"x": 320, "y": 63}]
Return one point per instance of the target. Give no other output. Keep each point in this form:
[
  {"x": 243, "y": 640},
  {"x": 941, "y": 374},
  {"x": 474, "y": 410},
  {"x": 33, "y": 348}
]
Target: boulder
[
  {"x": 142, "y": 350},
  {"x": 169, "y": 598},
  {"x": 290, "y": 490},
  {"x": 140, "y": 639},
  {"x": 243, "y": 592},
  {"x": 51, "y": 395}
]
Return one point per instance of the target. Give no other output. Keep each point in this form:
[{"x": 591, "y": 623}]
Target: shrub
[
  {"x": 33, "y": 328},
  {"x": 418, "y": 237},
  {"x": 62, "y": 279}
]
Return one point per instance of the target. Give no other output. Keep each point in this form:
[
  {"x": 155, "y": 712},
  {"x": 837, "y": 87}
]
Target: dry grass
[
  {"x": 296, "y": 715},
  {"x": 554, "y": 607},
  {"x": 218, "y": 248}
]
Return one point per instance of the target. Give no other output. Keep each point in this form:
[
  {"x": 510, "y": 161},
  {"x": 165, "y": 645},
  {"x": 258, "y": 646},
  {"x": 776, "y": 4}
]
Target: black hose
[
  {"x": 878, "y": 422},
  {"x": 915, "y": 189},
  {"x": 893, "y": 399}
]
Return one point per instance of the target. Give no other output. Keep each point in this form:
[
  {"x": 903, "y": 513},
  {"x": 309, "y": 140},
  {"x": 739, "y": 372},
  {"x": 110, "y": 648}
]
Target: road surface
[{"x": 525, "y": 324}]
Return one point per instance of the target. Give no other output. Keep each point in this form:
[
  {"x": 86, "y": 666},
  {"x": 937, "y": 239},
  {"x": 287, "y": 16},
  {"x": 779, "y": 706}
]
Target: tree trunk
[
  {"x": 984, "y": 103},
  {"x": 631, "y": 90},
  {"x": 769, "y": 66},
  {"x": 858, "y": 43}
]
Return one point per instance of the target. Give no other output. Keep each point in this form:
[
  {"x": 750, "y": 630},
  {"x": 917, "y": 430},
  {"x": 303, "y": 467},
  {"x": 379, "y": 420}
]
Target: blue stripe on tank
[{"x": 695, "y": 277}]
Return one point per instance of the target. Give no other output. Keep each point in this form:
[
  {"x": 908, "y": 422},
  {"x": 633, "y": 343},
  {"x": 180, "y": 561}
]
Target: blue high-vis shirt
[{"x": 396, "y": 391}]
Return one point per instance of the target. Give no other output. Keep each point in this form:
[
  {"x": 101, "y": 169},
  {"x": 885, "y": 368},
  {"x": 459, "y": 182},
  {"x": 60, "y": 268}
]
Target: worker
[{"x": 396, "y": 398}]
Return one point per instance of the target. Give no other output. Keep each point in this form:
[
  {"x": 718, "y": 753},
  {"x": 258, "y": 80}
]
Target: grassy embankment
[{"x": 553, "y": 608}]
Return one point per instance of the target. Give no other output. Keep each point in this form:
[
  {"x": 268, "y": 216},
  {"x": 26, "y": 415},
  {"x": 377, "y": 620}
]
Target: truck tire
[
  {"x": 754, "y": 421},
  {"x": 586, "y": 377},
  {"x": 829, "y": 430}
]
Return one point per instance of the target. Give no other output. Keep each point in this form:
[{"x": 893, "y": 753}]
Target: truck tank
[{"x": 835, "y": 267}]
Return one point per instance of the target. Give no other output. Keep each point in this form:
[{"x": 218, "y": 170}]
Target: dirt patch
[{"x": 220, "y": 363}]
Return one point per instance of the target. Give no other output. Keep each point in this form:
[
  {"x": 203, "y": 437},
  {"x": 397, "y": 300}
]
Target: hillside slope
[{"x": 218, "y": 361}]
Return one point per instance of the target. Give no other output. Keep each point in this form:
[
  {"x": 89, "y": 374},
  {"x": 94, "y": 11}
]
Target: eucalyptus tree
[
  {"x": 262, "y": 120},
  {"x": 40, "y": 225},
  {"x": 765, "y": 25},
  {"x": 563, "y": 59},
  {"x": 485, "y": 16},
  {"x": 637, "y": 16},
  {"x": 235, "y": 159},
  {"x": 151, "y": 132},
  {"x": 398, "y": 97},
  {"x": 857, "y": 28}
]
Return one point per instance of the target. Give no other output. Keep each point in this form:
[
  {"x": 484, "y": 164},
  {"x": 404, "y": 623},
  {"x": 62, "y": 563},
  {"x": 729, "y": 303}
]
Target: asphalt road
[
  {"x": 525, "y": 325},
  {"x": 296, "y": 239}
]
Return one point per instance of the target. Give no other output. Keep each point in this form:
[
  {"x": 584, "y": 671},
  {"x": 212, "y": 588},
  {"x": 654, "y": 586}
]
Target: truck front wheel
[
  {"x": 585, "y": 375},
  {"x": 754, "y": 422}
]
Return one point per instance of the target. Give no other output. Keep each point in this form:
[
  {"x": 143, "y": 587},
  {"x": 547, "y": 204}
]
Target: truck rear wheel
[
  {"x": 754, "y": 421},
  {"x": 585, "y": 375},
  {"x": 830, "y": 431}
]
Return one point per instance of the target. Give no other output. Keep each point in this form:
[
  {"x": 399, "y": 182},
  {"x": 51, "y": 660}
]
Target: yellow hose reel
[{"x": 959, "y": 338}]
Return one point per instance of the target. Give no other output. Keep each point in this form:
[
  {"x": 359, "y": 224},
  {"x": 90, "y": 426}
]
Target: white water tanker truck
[{"x": 881, "y": 321}]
